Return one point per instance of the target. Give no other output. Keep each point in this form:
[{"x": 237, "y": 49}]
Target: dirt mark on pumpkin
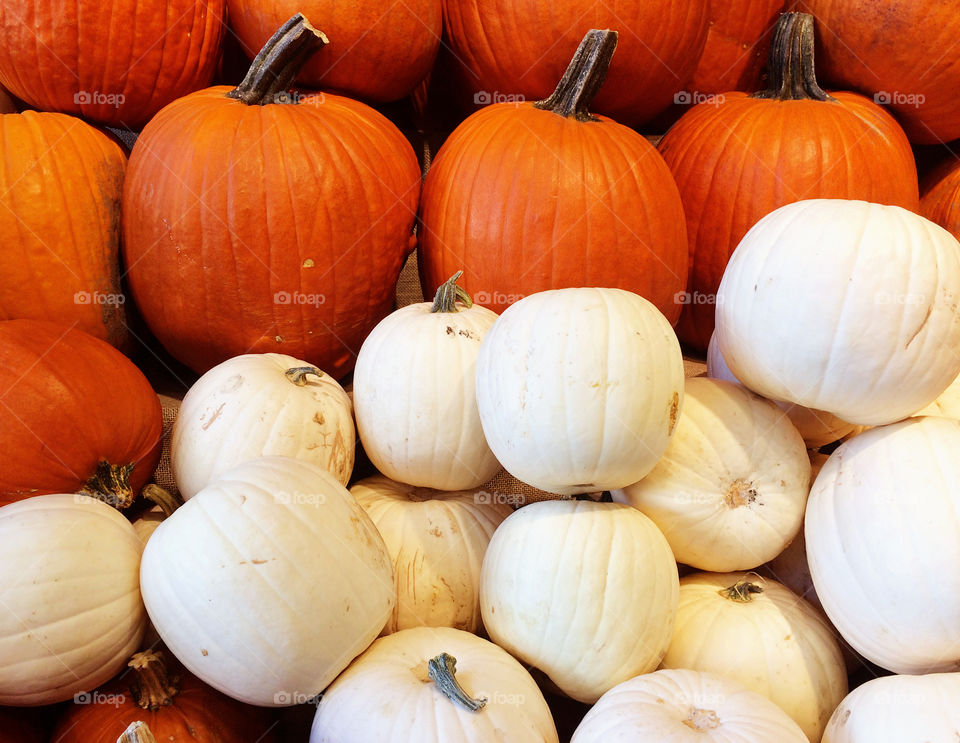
[
  {"x": 216, "y": 414},
  {"x": 740, "y": 493},
  {"x": 674, "y": 411}
]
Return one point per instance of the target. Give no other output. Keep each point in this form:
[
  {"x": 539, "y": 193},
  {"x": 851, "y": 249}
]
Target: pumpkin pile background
[{"x": 404, "y": 319}]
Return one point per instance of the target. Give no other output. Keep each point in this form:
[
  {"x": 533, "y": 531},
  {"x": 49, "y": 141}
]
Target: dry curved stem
[
  {"x": 111, "y": 484},
  {"x": 448, "y": 294},
  {"x": 298, "y": 374},
  {"x": 584, "y": 77},
  {"x": 167, "y": 501},
  {"x": 138, "y": 732},
  {"x": 793, "y": 75},
  {"x": 442, "y": 671},
  {"x": 152, "y": 687}
]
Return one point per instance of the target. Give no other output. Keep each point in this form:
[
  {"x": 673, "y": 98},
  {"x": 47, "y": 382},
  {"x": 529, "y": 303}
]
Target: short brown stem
[
  {"x": 442, "y": 670},
  {"x": 584, "y": 77},
  {"x": 793, "y": 75},
  {"x": 111, "y": 484},
  {"x": 298, "y": 374},
  {"x": 153, "y": 686},
  {"x": 167, "y": 501},
  {"x": 742, "y": 591},
  {"x": 448, "y": 294},
  {"x": 138, "y": 732}
]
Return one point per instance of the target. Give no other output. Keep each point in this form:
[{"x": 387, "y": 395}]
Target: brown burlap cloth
[{"x": 502, "y": 488}]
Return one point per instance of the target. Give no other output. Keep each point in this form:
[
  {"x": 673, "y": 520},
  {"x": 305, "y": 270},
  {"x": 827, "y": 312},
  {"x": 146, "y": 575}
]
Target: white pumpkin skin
[
  {"x": 881, "y": 532},
  {"x": 817, "y": 427},
  {"x": 268, "y": 582},
  {"x": 70, "y": 608},
  {"x": 415, "y": 399},
  {"x": 729, "y": 493},
  {"x": 437, "y": 540},
  {"x": 584, "y": 591},
  {"x": 580, "y": 390},
  {"x": 899, "y": 709},
  {"x": 843, "y": 306},
  {"x": 682, "y": 706},
  {"x": 771, "y": 641},
  {"x": 386, "y": 694},
  {"x": 947, "y": 405},
  {"x": 248, "y": 407}
]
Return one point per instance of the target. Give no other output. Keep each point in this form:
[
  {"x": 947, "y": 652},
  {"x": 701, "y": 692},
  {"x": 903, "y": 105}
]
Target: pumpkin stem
[
  {"x": 448, "y": 293},
  {"x": 742, "y": 591},
  {"x": 138, "y": 732},
  {"x": 276, "y": 65},
  {"x": 442, "y": 671},
  {"x": 793, "y": 76},
  {"x": 167, "y": 501},
  {"x": 584, "y": 77},
  {"x": 298, "y": 374},
  {"x": 111, "y": 484},
  {"x": 152, "y": 687}
]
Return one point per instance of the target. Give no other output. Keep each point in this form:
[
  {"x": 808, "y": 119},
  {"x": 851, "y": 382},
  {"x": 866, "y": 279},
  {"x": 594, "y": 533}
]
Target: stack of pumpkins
[{"x": 724, "y": 555}]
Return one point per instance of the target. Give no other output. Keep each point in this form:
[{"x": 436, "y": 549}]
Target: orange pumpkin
[
  {"x": 533, "y": 196},
  {"x": 739, "y": 157},
  {"x": 76, "y": 415},
  {"x": 115, "y": 63},
  {"x": 259, "y": 221},
  {"x": 60, "y": 188},
  {"x": 940, "y": 196}
]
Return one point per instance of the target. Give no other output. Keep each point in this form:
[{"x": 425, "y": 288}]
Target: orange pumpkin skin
[
  {"x": 116, "y": 62},
  {"x": 525, "y": 200},
  {"x": 379, "y": 50},
  {"x": 275, "y": 228},
  {"x": 7, "y": 105},
  {"x": 940, "y": 196},
  {"x": 60, "y": 190},
  {"x": 523, "y": 46},
  {"x": 70, "y": 401},
  {"x": 904, "y": 49}
]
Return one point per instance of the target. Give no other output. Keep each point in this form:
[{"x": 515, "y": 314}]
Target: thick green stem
[
  {"x": 152, "y": 686},
  {"x": 442, "y": 670},
  {"x": 138, "y": 732},
  {"x": 298, "y": 374},
  {"x": 448, "y": 294},
  {"x": 793, "y": 75},
  {"x": 742, "y": 591},
  {"x": 584, "y": 77},
  {"x": 111, "y": 484},
  {"x": 276, "y": 65},
  {"x": 167, "y": 501}
]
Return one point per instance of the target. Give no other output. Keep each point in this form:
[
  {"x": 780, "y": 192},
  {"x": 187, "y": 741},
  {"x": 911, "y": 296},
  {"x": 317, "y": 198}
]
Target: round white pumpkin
[
  {"x": 388, "y": 694},
  {"x": 261, "y": 404},
  {"x": 70, "y": 608},
  {"x": 730, "y": 491},
  {"x": 843, "y": 306},
  {"x": 899, "y": 709},
  {"x": 269, "y": 581},
  {"x": 414, "y": 393},
  {"x": 764, "y": 636},
  {"x": 881, "y": 535},
  {"x": 584, "y": 591},
  {"x": 580, "y": 389},
  {"x": 683, "y": 706},
  {"x": 437, "y": 540},
  {"x": 817, "y": 427}
]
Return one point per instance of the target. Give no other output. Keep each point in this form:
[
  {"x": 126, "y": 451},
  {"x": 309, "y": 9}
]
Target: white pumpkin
[
  {"x": 817, "y": 427},
  {"x": 899, "y": 709},
  {"x": 764, "y": 636},
  {"x": 843, "y": 306},
  {"x": 881, "y": 529},
  {"x": 261, "y": 404},
  {"x": 269, "y": 581},
  {"x": 388, "y": 693},
  {"x": 729, "y": 493},
  {"x": 414, "y": 393},
  {"x": 437, "y": 540},
  {"x": 70, "y": 608},
  {"x": 580, "y": 389},
  {"x": 584, "y": 591},
  {"x": 947, "y": 405},
  {"x": 682, "y": 706}
]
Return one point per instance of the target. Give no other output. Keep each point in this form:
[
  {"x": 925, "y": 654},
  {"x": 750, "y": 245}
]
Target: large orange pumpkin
[
  {"x": 379, "y": 49},
  {"x": 114, "y": 62},
  {"x": 75, "y": 415},
  {"x": 175, "y": 704},
  {"x": 256, "y": 226},
  {"x": 533, "y": 196},
  {"x": 60, "y": 188},
  {"x": 904, "y": 54},
  {"x": 739, "y": 157},
  {"x": 522, "y": 47},
  {"x": 940, "y": 196}
]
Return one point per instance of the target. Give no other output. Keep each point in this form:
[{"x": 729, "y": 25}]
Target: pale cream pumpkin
[
  {"x": 70, "y": 608},
  {"x": 947, "y": 405},
  {"x": 683, "y": 706},
  {"x": 269, "y": 581},
  {"x": 729, "y": 492},
  {"x": 584, "y": 591},
  {"x": 482, "y": 694},
  {"x": 414, "y": 393},
  {"x": 764, "y": 636},
  {"x": 579, "y": 390},
  {"x": 881, "y": 529},
  {"x": 256, "y": 405},
  {"x": 437, "y": 540},
  {"x": 843, "y": 306}
]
